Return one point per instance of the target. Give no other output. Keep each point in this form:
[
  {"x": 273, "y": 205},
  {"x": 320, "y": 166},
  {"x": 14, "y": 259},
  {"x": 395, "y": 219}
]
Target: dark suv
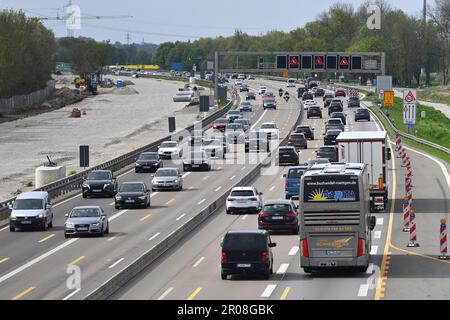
[
  {"x": 340, "y": 115},
  {"x": 306, "y": 130},
  {"x": 319, "y": 92},
  {"x": 307, "y": 96},
  {"x": 148, "y": 161},
  {"x": 247, "y": 252},
  {"x": 298, "y": 140},
  {"x": 362, "y": 114},
  {"x": 328, "y": 152},
  {"x": 335, "y": 106},
  {"x": 330, "y": 137},
  {"x": 99, "y": 183},
  {"x": 288, "y": 155},
  {"x": 314, "y": 111},
  {"x": 279, "y": 215},
  {"x": 353, "y": 102}
]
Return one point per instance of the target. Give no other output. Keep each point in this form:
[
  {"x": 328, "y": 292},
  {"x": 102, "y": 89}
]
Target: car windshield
[
  {"x": 245, "y": 103},
  {"x": 234, "y": 112},
  {"x": 211, "y": 142},
  {"x": 242, "y": 193},
  {"x": 148, "y": 156},
  {"x": 295, "y": 173},
  {"x": 85, "y": 213},
  {"x": 97, "y": 175},
  {"x": 300, "y": 129},
  {"x": 268, "y": 126},
  {"x": 234, "y": 126},
  {"x": 195, "y": 155},
  {"x": 244, "y": 242},
  {"x": 334, "y": 121},
  {"x": 132, "y": 187},
  {"x": 267, "y": 101},
  {"x": 277, "y": 208},
  {"x": 28, "y": 204},
  {"x": 333, "y": 132},
  {"x": 168, "y": 145},
  {"x": 287, "y": 150},
  {"x": 166, "y": 173},
  {"x": 362, "y": 111},
  {"x": 327, "y": 149},
  {"x": 317, "y": 160},
  {"x": 221, "y": 121},
  {"x": 298, "y": 136}
]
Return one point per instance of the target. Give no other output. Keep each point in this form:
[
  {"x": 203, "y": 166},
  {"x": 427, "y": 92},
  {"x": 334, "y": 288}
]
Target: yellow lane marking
[
  {"x": 74, "y": 262},
  {"x": 114, "y": 237},
  {"x": 419, "y": 254},
  {"x": 146, "y": 217},
  {"x": 194, "y": 294},
  {"x": 4, "y": 260},
  {"x": 46, "y": 238},
  {"x": 381, "y": 283},
  {"x": 285, "y": 293},
  {"x": 205, "y": 178},
  {"x": 20, "y": 295},
  {"x": 170, "y": 201}
]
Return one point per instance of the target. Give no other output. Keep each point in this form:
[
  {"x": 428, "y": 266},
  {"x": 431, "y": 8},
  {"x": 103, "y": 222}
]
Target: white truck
[{"x": 371, "y": 148}]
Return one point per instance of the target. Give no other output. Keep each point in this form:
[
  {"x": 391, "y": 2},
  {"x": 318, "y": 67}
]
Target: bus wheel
[
  {"x": 307, "y": 270},
  {"x": 363, "y": 269}
]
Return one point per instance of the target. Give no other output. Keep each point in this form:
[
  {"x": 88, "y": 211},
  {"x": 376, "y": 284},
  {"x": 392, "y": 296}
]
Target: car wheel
[
  {"x": 362, "y": 269},
  {"x": 117, "y": 207},
  {"x": 107, "y": 229},
  {"x": 44, "y": 226},
  {"x": 153, "y": 189},
  {"x": 12, "y": 228},
  {"x": 267, "y": 275},
  {"x": 307, "y": 270},
  {"x": 50, "y": 225},
  {"x": 148, "y": 203},
  {"x": 223, "y": 276},
  {"x": 84, "y": 196},
  {"x": 66, "y": 235},
  {"x": 228, "y": 212}
]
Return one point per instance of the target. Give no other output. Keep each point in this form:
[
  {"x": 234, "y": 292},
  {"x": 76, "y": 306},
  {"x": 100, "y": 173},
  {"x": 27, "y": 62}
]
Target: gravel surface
[{"x": 113, "y": 125}]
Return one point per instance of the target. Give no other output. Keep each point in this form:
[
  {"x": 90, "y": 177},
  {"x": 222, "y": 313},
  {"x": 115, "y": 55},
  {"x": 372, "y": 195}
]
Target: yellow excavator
[{"x": 86, "y": 82}]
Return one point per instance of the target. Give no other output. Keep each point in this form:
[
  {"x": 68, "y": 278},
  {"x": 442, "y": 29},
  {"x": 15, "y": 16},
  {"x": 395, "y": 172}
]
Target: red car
[
  {"x": 339, "y": 93},
  {"x": 220, "y": 124}
]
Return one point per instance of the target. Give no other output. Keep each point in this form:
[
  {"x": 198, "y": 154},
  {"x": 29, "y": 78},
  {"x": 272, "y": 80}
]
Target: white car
[
  {"x": 270, "y": 129},
  {"x": 308, "y": 103},
  {"x": 241, "y": 77},
  {"x": 244, "y": 200},
  {"x": 238, "y": 83},
  {"x": 262, "y": 90},
  {"x": 170, "y": 150},
  {"x": 213, "y": 148},
  {"x": 291, "y": 83}
]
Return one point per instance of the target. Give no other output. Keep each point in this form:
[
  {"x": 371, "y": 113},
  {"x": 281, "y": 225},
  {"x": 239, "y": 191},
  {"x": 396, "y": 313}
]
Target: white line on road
[
  {"x": 282, "y": 269},
  {"x": 268, "y": 291},
  {"x": 374, "y": 250},
  {"x": 116, "y": 263},
  {"x": 370, "y": 268},
  {"x": 180, "y": 217},
  {"x": 244, "y": 217},
  {"x": 363, "y": 290},
  {"x": 218, "y": 189},
  {"x": 271, "y": 188},
  {"x": 232, "y": 177},
  {"x": 243, "y": 168},
  {"x": 154, "y": 236},
  {"x": 112, "y": 203},
  {"x": 201, "y": 201},
  {"x": 198, "y": 262},
  {"x": 71, "y": 294},
  {"x": 293, "y": 251},
  {"x": 186, "y": 174},
  {"x": 380, "y": 221},
  {"x": 377, "y": 234},
  {"x": 257, "y": 121},
  {"x": 153, "y": 194},
  {"x": 118, "y": 214},
  {"x": 4, "y": 228},
  {"x": 165, "y": 294}
]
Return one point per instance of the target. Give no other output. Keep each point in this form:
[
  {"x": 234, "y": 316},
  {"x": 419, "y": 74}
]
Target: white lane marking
[
  {"x": 112, "y": 203},
  {"x": 116, "y": 263},
  {"x": 218, "y": 189},
  {"x": 71, "y": 294},
  {"x": 180, "y": 217},
  {"x": 154, "y": 236},
  {"x": 67, "y": 200},
  {"x": 363, "y": 290},
  {"x": 374, "y": 250},
  {"x": 377, "y": 234},
  {"x": 293, "y": 251},
  {"x": 244, "y": 217},
  {"x": 165, "y": 294},
  {"x": 370, "y": 268},
  {"x": 260, "y": 118},
  {"x": 271, "y": 188},
  {"x": 186, "y": 174},
  {"x": 268, "y": 291},
  {"x": 443, "y": 168},
  {"x": 198, "y": 262},
  {"x": 232, "y": 177},
  {"x": 201, "y": 201},
  {"x": 243, "y": 168},
  {"x": 380, "y": 221},
  {"x": 36, "y": 260},
  {"x": 4, "y": 228},
  {"x": 118, "y": 214},
  {"x": 282, "y": 269},
  {"x": 153, "y": 194}
]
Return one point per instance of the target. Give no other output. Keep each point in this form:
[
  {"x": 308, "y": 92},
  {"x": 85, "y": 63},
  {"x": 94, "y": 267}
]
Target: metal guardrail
[{"x": 74, "y": 182}]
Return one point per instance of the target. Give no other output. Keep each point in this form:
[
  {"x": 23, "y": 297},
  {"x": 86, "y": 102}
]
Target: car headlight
[
  {"x": 106, "y": 185},
  {"x": 118, "y": 197},
  {"x": 97, "y": 224},
  {"x": 69, "y": 225},
  {"x": 41, "y": 215},
  {"x": 85, "y": 185},
  {"x": 176, "y": 181},
  {"x": 154, "y": 181},
  {"x": 138, "y": 164},
  {"x": 142, "y": 197}
]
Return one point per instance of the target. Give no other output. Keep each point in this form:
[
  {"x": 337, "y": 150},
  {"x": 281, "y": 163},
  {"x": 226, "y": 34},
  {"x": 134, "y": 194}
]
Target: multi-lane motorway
[{"x": 33, "y": 265}]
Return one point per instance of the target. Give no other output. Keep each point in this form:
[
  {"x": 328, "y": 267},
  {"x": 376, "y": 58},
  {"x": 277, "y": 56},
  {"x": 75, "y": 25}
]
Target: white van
[
  {"x": 31, "y": 210},
  {"x": 291, "y": 83}
]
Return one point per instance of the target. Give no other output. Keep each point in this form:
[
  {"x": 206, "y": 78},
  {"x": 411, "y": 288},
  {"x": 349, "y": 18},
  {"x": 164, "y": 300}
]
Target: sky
[{"x": 160, "y": 21}]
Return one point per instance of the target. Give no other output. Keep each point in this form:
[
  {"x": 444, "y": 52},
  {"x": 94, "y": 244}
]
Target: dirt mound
[
  {"x": 63, "y": 97},
  {"x": 127, "y": 83},
  {"x": 124, "y": 91}
]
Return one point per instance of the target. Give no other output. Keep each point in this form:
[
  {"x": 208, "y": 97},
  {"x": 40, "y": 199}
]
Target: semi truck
[{"x": 371, "y": 148}]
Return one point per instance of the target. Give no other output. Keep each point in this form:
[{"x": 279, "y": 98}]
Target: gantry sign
[{"x": 305, "y": 62}]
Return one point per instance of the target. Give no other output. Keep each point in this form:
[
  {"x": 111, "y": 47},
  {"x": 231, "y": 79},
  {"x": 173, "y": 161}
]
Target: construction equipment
[{"x": 86, "y": 81}]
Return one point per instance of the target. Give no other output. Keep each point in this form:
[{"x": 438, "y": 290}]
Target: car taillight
[
  {"x": 264, "y": 256},
  {"x": 291, "y": 215},
  {"x": 286, "y": 185},
  {"x": 252, "y": 199},
  {"x": 290, "y": 142},
  {"x": 224, "y": 258},
  {"x": 231, "y": 199},
  {"x": 361, "y": 247},
  {"x": 379, "y": 200},
  {"x": 304, "y": 247},
  {"x": 263, "y": 215}
]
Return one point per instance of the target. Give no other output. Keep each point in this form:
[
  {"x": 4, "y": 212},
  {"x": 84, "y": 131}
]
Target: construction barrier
[
  {"x": 398, "y": 142},
  {"x": 406, "y": 208},
  {"x": 412, "y": 230},
  {"x": 443, "y": 240}
]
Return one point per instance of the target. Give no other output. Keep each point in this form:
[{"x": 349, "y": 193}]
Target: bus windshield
[{"x": 331, "y": 189}]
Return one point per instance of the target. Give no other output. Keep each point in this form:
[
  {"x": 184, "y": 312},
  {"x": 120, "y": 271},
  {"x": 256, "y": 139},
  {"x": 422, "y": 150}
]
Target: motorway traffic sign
[
  {"x": 409, "y": 96},
  {"x": 388, "y": 98},
  {"x": 409, "y": 113}
]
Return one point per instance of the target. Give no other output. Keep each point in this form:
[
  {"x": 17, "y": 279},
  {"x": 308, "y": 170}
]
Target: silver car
[
  {"x": 213, "y": 148},
  {"x": 167, "y": 179},
  {"x": 86, "y": 220},
  {"x": 245, "y": 123},
  {"x": 235, "y": 133}
]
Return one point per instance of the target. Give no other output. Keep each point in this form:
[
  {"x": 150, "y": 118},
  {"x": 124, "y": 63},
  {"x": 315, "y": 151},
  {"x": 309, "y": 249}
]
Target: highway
[
  {"x": 33, "y": 265},
  {"x": 26, "y": 254}
]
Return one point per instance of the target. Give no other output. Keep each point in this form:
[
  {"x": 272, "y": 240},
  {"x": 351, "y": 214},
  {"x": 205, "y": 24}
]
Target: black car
[
  {"x": 279, "y": 215},
  {"x": 300, "y": 91},
  {"x": 362, "y": 114},
  {"x": 288, "y": 155},
  {"x": 327, "y": 96},
  {"x": 340, "y": 115},
  {"x": 247, "y": 252},
  {"x": 314, "y": 111},
  {"x": 99, "y": 183},
  {"x": 330, "y": 137},
  {"x": 250, "y": 96},
  {"x": 298, "y": 140},
  {"x": 313, "y": 84},
  {"x": 307, "y": 96},
  {"x": 306, "y": 130},
  {"x": 243, "y": 88},
  {"x": 196, "y": 160},
  {"x": 335, "y": 107},
  {"x": 328, "y": 152},
  {"x": 353, "y": 102},
  {"x": 319, "y": 92},
  {"x": 327, "y": 102},
  {"x": 132, "y": 194},
  {"x": 148, "y": 162}
]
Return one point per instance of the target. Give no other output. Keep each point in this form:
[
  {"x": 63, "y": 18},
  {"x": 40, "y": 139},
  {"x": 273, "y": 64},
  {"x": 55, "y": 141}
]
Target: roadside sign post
[
  {"x": 388, "y": 100},
  {"x": 409, "y": 108}
]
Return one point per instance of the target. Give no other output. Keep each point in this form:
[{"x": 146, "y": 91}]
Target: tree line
[{"x": 410, "y": 44}]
